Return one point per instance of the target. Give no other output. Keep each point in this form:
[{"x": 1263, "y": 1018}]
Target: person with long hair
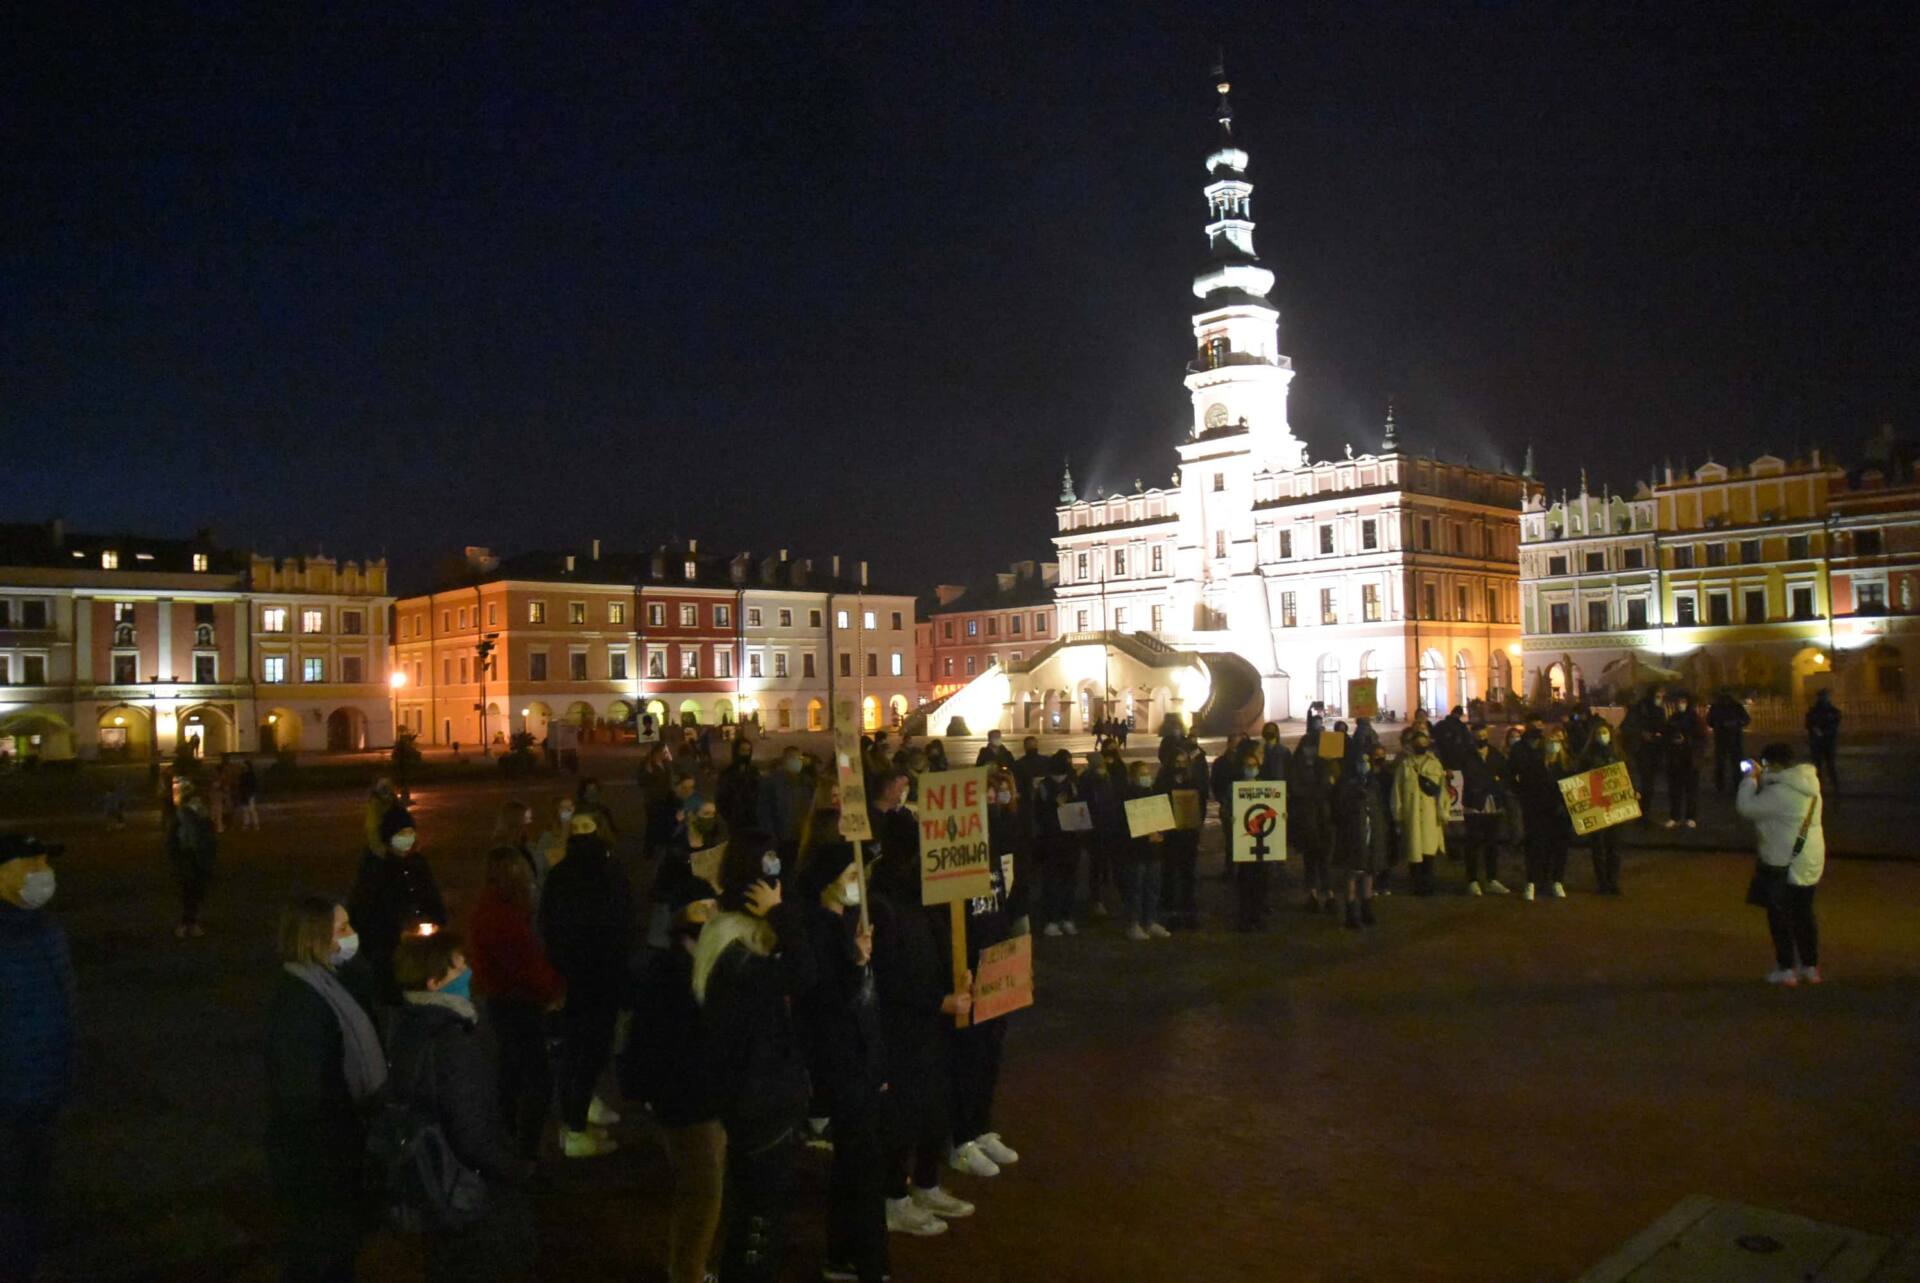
[
  {"x": 515, "y": 986},
  {"x": 325, "y": 1069},
  {"x": 513, "y": 828},
  {"x": 1603, "y": 845}
]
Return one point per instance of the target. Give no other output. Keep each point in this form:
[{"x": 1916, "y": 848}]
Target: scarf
[
  {"x": 362, "y": 1060},
  {"x": 461, "y": 1007}
]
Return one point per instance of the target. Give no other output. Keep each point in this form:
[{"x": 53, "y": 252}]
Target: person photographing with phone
[{"x": 1782, "y": 800}]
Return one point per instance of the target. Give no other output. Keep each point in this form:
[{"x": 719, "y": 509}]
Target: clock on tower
[{"x": 1217, "y": 415}]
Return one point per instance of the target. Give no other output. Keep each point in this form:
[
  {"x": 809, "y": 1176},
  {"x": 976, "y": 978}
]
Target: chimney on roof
[
  {"x": 836, "y": 565},
  {"x": 596, "y": 550},
  {"x": 863, "y": 574}
]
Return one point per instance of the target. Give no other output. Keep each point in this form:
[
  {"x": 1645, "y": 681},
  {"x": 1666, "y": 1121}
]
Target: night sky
[{"x": 528, "y": 276}]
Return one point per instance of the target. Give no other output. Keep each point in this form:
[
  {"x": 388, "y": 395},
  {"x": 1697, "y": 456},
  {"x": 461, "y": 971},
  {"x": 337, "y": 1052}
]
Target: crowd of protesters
[{"x": 762, "y": 986}]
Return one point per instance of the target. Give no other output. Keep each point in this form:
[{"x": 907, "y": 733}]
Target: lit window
[
  {"x": 753, "y": 664},
  {"x": 576, "y": 612},
  {"x": 616, "y": 612},
  {"x": 690, "y": 663},
  {"x": 753, "y": 617},
  {"x": 109, "y": 561},
  {"x": 1080, "y": 621},
  {"x": 536, "y": 612},
  {"x": 868, "y": 621},
  {"x": 273, "y": 669},
  {"x": 897, "y": 665},
  {"x": 1159, "y": 559},
  {"x": 723, "y": 616},
  {"x": 722, "y": 663},
  {"x": 273, "y": 619},
  {"x": 689, "y": 615},
  {"x": 840, "y": 619},
  {"x": 692, "y": 570},
  {"x": 313, "y": 669},
  {"x": 656, "y": 615},
  {"x": 656, "y": 663},
  {"x": 199, "y": 561},
  {"x": 786, "y": 618},
  {"x": 780, "y": 663},
  {"x": 313, "y": 621}
]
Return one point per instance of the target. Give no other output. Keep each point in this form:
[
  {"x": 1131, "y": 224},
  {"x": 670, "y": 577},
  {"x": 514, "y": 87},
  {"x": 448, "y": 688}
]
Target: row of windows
[
  {"x": 688, "y": 615},
  {"x": 973, "y": 663},
  {"x": 313, "y": 668},
  {"x": 1688, "y": 556},
  {"x": 1686, "y": 609},
  {"x": 26, "y": 670},
  {"x": 313, "y": 619},
  {"x": 110, "y": 559},
  {"x": 1015, "y": 622},
  {"x": 658, "y": 659}
]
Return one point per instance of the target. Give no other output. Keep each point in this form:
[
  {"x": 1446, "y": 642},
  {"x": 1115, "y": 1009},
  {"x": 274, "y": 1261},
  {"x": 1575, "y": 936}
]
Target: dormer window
[
  {"x": 109, "y": 560},
  {"x": 692, "y": 570},
  {"x": 200, "y": 561}
]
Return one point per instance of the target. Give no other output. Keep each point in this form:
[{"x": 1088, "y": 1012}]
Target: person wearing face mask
[
  {"x": 1686, "y": 738},
  {"x": 1142, "y": 872},
  {"x": 1603, "y": 845},
  {"x": 193, "y": 851},
  {"x": 37, "y": 1045},
  {"x": 752, "y": 966},
  {"x": 786, "y": 796},
  {"x": 513, "y": 827},
  {"x": 1009, "y": 830},
  {"x": 995, "y": 753},
  {"x": 551, "y": 846},
  {"x": 393, "y": 895},
  {"x": 590, "y": 800},
  {"x": 975, "y": 1062},
  {"x": 1548, "y": 828},
  {"x": 1362, "y": 838},
  {"x": 1420, "y": 809},
  {"x": 1310, "y": 783},
  {"x": 1250, "y": 878},
  {"x": 1486, "y": 799},
  {"x": 1058, "y": 849},
  {"x": 936, "y": 756},
  {"x": 441, "y": 1062},
  {"x": 325, "y": 1068},
  {"x": 736, "y": 793},
  {"x": 516, "y": 987},
  {"x": 584, "y": 922},
  {"x": 1107, "y": 844}
]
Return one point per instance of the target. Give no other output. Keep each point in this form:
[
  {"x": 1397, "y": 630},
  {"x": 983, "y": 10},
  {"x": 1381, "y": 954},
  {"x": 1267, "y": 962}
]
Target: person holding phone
[{"x": 1782, "y": 799}]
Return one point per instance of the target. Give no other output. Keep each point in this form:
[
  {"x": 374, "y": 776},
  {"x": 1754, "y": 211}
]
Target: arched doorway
[
  {"x": 1433, "y": 684},
  {"x": 657, "y": 710},
  {"x": 723, "y": 712},
  {"x": 346, "y": 730},
  {"x": 35, "y": 732},
  {"x": 816, "y": 715},
  {"x": 870, "y": 713},
  {"x": 280, "y": 731},
  {"x": 496, "y": 725},
  {"x": 1812, "y": 672},
  {"x": 1331, "y": 692},
  {"x": 1564, "y": 681},
  {"x": 619, "y": 713},
  {"x": 1464, "y": 692},
  {"x": 580, "y": 713},
  {"x": 783, "y": 715},
  {"x": 535, "y": 718},
  {"x": 1500, "y": 681},
  {"x": 896, "y": 711},
  {"x": 210, "y": 727},
  {"x": 689, "y": 712}
]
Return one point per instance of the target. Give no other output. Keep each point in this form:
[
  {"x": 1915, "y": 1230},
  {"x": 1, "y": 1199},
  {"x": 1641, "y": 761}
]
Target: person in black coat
[
  {"x": 1685, "y": 739},
  {"x": 1097, "y": 787},
  {"x": 994, "y": 753},
  {"x": 977, "y": 1049},
  {"x": 1728, "y": 718},
  {"x": 394, "y": 895},
  {"x": 751, "y": 966},
  {"x": 1175, "y": 859},
  {"x": 325, "y": 1067},
  {"x": 736, "y": 794},
  {"x": 1548, "y": 829},
  {"x": 1362, "y": 837},
  {"x": 839, "y": 1022},
  {"x": 192, "y": 850},
  {"x": 585, "y": 924},
  {"x": 1057, "y": 849},
  {"x": 441, "y": 1060},
  {"x": 1310, "y": 781},
  {"x": 1603, "y": 844},
  {"x": 1486, "y": 798}
]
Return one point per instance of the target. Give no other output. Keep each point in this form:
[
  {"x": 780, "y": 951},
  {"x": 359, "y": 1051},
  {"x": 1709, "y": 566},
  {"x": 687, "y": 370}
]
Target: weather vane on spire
[{"x": 1220, "y": 83}]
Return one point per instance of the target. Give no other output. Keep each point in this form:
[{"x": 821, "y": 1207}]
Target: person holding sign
[
  {"x": 1057, "y": 849},
  {"x": 1178, "y": 856},
  {"x": 977, "y": 1148},
  {"x": 1603, "y": 844},
  {"x": 1420, "y": 808},
  {"x": 1140, "y": 874},
  {"x": 1548, "y": 828}
]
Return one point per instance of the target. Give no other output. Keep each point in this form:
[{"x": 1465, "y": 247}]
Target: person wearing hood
[
  {"x": 1362, "y": 837},
  {"x": 193, "y": 851},
  {"x": 1781, "y": 799},
  {"x": 839, "y": 1023},
  {"x": 394, "y": 895},
  {"x": 516, "y": 986},
  {"x": 1544, "y": 809},
  {"x": 912, "y": 968},
  {"x": 37, "y": 1044},
  {"x": 750, "y": 968},
  {"x": 589, "y": 799},
  {"x": 325, "y": 1069},
  {"x": 736, "y": 793},
  {"x": 1364, "y": 737},
  {"x": 1420, "y": 808},
  {"x": 585, "y": 926},
  {"x": 441, "y": 1062},
  {"x": 1057, "y": 848},
  {"x": 994, "y": 753},
  {"x": 1602, "y": 750},
  {"x": 1823, "y": 736},
  {"x": 937, "y": 756},
  {"x": 380, "y": 800}
]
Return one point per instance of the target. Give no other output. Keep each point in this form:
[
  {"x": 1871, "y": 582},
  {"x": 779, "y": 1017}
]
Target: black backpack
[{"x": 419, "y": 1182}]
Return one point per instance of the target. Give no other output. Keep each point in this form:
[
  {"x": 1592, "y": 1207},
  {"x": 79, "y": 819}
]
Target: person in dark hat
[
  {"x": 36, "y": 1045},
  {"x": 395, "y": 895}
]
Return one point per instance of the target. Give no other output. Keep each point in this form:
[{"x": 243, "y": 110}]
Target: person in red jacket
[{"x": 516, "y": 986}]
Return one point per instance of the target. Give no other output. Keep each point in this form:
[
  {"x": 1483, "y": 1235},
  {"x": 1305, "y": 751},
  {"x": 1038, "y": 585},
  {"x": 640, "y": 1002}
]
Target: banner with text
[
  {"x": 1600, "y": 799},
  {"x": 956, "y": 861},
  {"x": 1363, "y": 697},
  {"x": 854, "y": 823},
  {"x": 1258, "y": 830},
  {"x": 1003, "y": 979}
]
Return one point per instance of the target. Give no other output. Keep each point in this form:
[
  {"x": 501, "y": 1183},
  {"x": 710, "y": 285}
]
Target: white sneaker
[
  {"x": 1693, "y": 824},
  {"x": 1527, "y": 894},
  {"x": 972, "y": 1160},
  {"x": 1809, "y": 974},
  {"x": 1069, "y": 928},
  {"x": 1136, "y": 932},
  {"x": 1559, "y": 892},
  {"x": 1786, "y": 976},
  {"x": 1158, "y": 932},
  {"x": 993, "y": 1147},
  {"x": 1498, "y": 887},
  {"x": 587, "y": 1144},
  {"x": 1051, "y": 929},
  {"x": 904, "y": 1216},
  {"x": 940, "y": 1203},
  {"x": 598, "y": 1115},
  {"x": 1473, "y": 888},
  {"x": 1672, "y": 823}
]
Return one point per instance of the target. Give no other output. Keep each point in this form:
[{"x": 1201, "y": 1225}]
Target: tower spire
[
  {"x": 1066, "y": 483},
  {"x": 1526, "y": 468},
  {"x": 1391, "y": 442}
]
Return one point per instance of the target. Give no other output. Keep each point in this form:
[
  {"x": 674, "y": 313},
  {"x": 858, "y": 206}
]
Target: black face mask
[{"x": 1483, "y": 743}]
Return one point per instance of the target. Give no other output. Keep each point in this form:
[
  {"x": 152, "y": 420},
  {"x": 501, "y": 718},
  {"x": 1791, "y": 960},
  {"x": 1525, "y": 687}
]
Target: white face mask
[
  {"x": 850, "y": 894},
  {"x": 403, "y": 841},
  {"x": 344, "y": 948},
  {"x": 566, "y": 815},
  {"x": 36, "y": 888}
]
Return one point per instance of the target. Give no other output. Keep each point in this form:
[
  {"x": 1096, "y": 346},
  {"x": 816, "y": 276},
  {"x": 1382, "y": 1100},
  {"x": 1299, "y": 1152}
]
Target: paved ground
[{"x": 1476, "y": 1090}]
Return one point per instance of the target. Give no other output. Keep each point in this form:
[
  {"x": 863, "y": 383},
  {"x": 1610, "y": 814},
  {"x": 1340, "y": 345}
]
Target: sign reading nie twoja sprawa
[{"x": 956, "y": 860}]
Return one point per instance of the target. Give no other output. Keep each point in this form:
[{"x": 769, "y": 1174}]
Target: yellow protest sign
[
  {"x": 956, "y": 861},
  {"x": 1600, "y": 799}
]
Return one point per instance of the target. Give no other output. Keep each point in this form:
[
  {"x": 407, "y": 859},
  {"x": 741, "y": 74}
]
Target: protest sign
[
  {"x": 706, "y": 864},
  {"x": 855, "y": 826},
  {"x": 1600, "y": 799},
  {"x": 1333, "y": 744},
  {"x": 1258, "y": 830},
  {"x": 1456, "y": 797},
  {"x": 1075, "y": 817},
  {"x": 1363, "y": 697},
  {"x": 1004, "y": 980},
  {"x": 956, "y": 862},
  {"x": 1150, "y": 814},
  {"x": 1186, "y": 808}
]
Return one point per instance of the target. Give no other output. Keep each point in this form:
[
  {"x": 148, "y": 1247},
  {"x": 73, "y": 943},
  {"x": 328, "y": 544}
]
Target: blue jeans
[{"x": 1140, "y": 891}]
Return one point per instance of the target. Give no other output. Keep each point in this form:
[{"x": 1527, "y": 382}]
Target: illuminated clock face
[{"x": 1216, "y": 415}]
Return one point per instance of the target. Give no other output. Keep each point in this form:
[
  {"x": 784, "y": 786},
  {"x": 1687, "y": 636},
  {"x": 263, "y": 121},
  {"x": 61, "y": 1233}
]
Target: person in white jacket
[{"x": 1783, "y": 801}]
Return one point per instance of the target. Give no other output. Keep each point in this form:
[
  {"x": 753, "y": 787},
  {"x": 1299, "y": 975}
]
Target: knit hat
[
  {"x": 24, "y": 846},
  {"x": 396, "y": 819}
]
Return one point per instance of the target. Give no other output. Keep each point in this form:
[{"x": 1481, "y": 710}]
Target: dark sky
[{"x": 527, "y": 276}]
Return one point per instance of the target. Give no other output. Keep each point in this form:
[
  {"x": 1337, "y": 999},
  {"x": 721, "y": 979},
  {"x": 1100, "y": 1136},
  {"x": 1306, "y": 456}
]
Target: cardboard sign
[
  {"x": 1363, "y": 697},
  {"x": 1004, "y": 979},
  {"x": 1600, "y": 799},
  {"x": 1075, "y": 817},
  {"x": 855, "y": 825},
  {"x": 1150, "y": 814},
  {"x": 1333, "y": 744},
  {"x": 956, "y": 861},
  {"x": 1456, "y": 797},
  {"x": 1186, "y": 808},
  {"x": 706, "y": 864},
  {"x": 1258, "y": 830}
]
